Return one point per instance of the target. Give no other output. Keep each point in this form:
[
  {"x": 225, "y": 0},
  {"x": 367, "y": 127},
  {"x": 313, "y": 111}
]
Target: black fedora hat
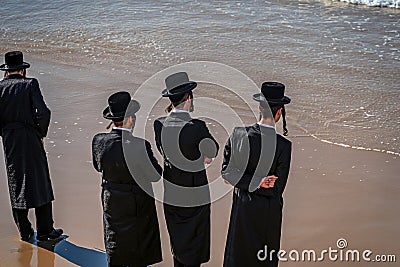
[
  {"x": 178, "y": 84},
  {"x": 120, "y": 106},
  {"x": 272, "y": 93},
  {"x": 14, "y": 61}
]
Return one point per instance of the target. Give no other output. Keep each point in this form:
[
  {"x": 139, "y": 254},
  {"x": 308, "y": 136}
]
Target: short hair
[
  {"x": 177, "y": 100},
  {"x": 121, "y": 123},
  {"x": 269, "y": 112},
  {"x": 16, "y": 70}
]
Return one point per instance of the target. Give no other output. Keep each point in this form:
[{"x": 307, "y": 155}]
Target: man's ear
[{"x": 130, "y": 119}]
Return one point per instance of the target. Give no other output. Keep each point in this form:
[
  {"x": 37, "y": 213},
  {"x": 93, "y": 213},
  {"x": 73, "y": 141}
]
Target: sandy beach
[{"x": 333, "y": 192}]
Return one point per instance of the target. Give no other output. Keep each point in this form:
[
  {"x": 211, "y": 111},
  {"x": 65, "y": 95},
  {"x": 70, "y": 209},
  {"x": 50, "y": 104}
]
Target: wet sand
[{"x": 333, "y": 192}]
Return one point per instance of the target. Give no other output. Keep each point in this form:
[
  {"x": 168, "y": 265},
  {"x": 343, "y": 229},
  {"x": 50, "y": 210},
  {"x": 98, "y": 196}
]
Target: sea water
[{"x": 339, "y": 61}]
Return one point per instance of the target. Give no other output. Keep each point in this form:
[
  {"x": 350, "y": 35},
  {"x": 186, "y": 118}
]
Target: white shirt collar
[
  {"x": 122, "y": 129},
  {"x": 266, "y": 125},
  {"x": 179, "y": 111}
]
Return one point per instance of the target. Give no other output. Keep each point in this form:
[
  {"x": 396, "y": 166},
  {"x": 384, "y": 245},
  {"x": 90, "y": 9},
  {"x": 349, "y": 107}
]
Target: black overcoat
[
  {"x": 188, "y": 227},
  {"x": 131, "y": 230},
  {"x": 256, "y": 216},
  {"x": 24, "y": 121}
]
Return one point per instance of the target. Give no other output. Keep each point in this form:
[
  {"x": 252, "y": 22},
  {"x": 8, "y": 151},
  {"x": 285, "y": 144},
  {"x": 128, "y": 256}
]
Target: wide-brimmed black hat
[
  {"x": 14, "y": 61},
  {"x": 272, "y": 93},
  {"x": 178, "y": 84},
  {"x": 120, "y": 106}
]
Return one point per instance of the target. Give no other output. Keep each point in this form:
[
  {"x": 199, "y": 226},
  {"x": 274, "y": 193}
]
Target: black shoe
[
  {"x": 28, "y": 237},
  {"x": 56, "y": 233}
]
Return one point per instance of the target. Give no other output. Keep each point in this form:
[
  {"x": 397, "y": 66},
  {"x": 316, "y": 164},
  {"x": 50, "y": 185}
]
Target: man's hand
[
  {"x": 268, "y": 182},
  {"x": 42, "y": 141},
  {"x": 207, "y": 160}
]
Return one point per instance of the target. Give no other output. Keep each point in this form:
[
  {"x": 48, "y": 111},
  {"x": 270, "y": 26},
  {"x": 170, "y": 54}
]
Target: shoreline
[{"x": 121, "y": 80}]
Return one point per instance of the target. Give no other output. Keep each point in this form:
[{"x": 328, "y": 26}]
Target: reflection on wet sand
[
  {"x": 45, "y": 258},
  {"x": 25, "y": 253}
]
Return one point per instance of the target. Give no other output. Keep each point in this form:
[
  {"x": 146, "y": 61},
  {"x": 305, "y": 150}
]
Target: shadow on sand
[{"x": 75, "y": 254}]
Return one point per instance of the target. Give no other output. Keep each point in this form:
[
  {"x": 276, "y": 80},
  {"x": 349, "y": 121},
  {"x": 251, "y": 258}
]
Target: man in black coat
[
  {"x": 186, "y": 144},
  {"x": 24, "y": 121},
  {"x": 128, "y": 167},
  {"x": 256, "y": 161}
]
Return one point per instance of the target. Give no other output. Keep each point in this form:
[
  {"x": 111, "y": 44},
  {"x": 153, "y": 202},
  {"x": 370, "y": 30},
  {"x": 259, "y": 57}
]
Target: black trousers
[
  {"x": 44, "y": 220},
  {"x": 179, "y": 264}
]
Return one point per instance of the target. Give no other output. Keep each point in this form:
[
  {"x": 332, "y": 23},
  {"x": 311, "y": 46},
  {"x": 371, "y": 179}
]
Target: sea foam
[{"x": 376, "y": 3}]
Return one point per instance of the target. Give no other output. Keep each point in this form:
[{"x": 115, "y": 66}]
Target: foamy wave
[
  {"x": 378, "y": 3},
  {"x": 356, "y": 147},
  {"x": 318, "y": 137}
]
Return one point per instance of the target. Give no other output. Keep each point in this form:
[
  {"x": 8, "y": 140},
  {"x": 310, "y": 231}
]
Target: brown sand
[{"x": 333, "y": 192}]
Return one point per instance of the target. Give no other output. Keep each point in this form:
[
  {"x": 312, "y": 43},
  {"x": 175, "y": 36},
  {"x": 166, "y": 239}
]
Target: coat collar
[
  {"x": 118, "y": 132},
  {"x": 265, "y": 125},
  {"x": 122, "y": 129},
  {"x": 180, "y": 115},
  {"x": 261, "y": 130}
]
